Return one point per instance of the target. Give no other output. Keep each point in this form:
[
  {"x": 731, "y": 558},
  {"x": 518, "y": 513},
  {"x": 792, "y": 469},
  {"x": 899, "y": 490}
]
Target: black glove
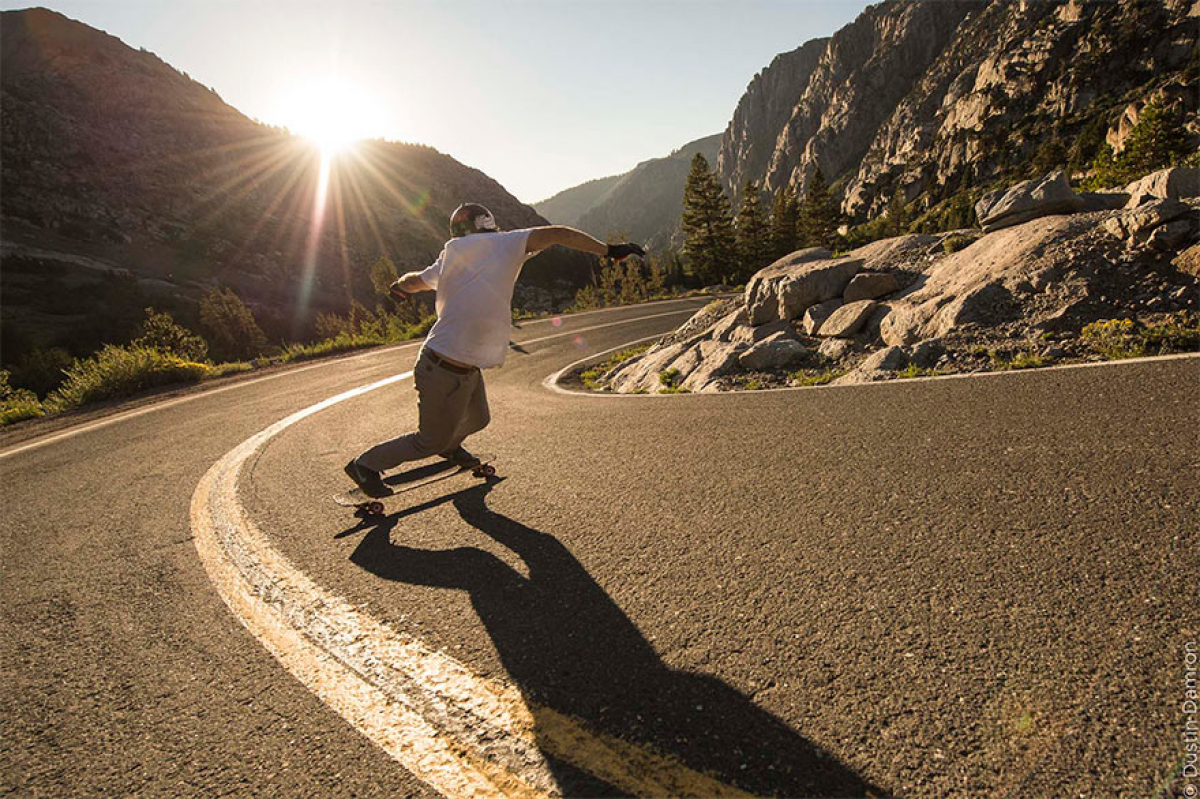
[{"x": 619, "y": 251}]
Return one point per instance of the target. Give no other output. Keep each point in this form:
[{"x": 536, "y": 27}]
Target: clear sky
[{"x": 539, "y": 94}]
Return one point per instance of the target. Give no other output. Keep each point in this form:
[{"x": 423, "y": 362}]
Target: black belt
[{"x": 449, "y": 367}]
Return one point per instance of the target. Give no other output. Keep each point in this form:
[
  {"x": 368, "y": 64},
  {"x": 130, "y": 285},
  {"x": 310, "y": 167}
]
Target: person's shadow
[{"x": 568, "y": 647}]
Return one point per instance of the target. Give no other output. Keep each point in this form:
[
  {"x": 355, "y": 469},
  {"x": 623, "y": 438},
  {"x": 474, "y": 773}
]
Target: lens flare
[{"x": 332, "y": 113}]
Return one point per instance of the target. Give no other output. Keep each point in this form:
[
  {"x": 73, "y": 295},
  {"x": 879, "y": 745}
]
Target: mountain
[
  {"x": 119, "y": 167},
  {"x": 936, "y": 101},
  {"x": 746, "y": 148},
  {"x": 933, "y": 101},
  {"x": 569, "y": 205},
  {"x": 644, "y": 204}
]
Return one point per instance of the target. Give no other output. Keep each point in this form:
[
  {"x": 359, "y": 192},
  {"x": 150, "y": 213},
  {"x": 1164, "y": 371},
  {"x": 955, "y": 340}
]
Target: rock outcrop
[
  {"x": 847, "y": 320},
  {"x": 1027, "y": 200},
  {"x": 1176, "y": 183},
  {"x": 786, "y": 288},
  {"x": 929, "y": 306}
]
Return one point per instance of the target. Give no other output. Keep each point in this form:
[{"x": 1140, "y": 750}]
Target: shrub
[
  {"x": 803, "y": 378},
  {"x": 669, "y": 378},
  {"x": 362, "y": 329},
  {"x": 17, "y": 404},
  {"x": 229, "y": 368},
  {"x": 120, "y": 371},
  {"x": 1022, "y": 360},
  {"x": 592, "y": 377},
  {"x": 953, "y": 244},
  {"x": 626, "y": 282},
  {"x": 161, "y": 332},
  {"x": 40, "y": 370},
  {"x": 1116, "y": 339},
  {"x": 912, "y": 370}
]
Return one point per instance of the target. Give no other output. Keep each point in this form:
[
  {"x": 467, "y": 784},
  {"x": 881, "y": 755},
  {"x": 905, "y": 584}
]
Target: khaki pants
[{"x": 450, "y": 407}]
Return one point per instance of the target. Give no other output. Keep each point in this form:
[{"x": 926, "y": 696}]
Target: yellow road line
[{"x": 461, "y": 733}]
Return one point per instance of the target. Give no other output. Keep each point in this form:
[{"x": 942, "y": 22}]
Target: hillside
[
  {"x": 643, "y": 204},
  {"x": 566, "y": 207},
  {"x": 116, "y": 163}
]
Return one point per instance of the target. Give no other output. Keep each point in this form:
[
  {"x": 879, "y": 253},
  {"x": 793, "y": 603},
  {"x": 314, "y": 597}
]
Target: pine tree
[
  {"x": 753, "y": 233},
  {"x": 707, "y": 225},
  {"x": 897, "y": 215},
  {"x": 1157, "y": 140},
  {"x": 785, "y": 213},
  {"x": 817, "y": 222}
]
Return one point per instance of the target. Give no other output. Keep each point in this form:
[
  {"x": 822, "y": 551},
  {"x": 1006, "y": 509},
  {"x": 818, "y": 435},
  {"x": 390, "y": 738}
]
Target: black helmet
[{"x": 471, "y": 218}]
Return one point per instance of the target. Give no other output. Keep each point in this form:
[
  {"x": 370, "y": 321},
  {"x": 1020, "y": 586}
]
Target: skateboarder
[{"x": 474, "y": 278}]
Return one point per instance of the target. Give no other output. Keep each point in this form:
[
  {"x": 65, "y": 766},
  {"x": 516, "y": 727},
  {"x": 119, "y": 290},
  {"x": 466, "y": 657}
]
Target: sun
[{"x": 331, "y": 112}]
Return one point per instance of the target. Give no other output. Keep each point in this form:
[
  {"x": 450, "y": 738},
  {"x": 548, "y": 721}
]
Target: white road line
[
  {"x": 158, "y": 406},
  {"x": 463, "y": 734}
]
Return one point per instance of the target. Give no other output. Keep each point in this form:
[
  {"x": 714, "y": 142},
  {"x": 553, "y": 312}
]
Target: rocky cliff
[
  {"x": 114, "y": 161},
  {"x": 747, "y": 145},
  {"x": 931, "y": 99}
]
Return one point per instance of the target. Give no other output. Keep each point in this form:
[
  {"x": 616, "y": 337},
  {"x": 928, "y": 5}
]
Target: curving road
[{"x": 967, "y": 587}]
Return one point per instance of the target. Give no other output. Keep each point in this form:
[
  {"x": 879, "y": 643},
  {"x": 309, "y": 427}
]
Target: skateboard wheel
[
  {"x": 487, "y": 470},
  {"x": 375, "y": 508}
]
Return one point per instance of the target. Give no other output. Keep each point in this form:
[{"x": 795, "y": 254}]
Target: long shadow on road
[{"x": 567, "y": 646}]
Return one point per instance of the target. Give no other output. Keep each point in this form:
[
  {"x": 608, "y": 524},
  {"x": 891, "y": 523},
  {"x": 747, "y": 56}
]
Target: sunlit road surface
[{"x": 963, "y": 587}]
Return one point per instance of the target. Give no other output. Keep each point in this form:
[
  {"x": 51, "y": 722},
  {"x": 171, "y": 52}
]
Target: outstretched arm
[
  {"x": 409, "y": 283},
  {"x": 542, "y": 237}
]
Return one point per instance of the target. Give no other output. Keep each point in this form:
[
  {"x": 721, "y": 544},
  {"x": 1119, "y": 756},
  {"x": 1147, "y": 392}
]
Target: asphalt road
[{"x": 964, "y": 587}]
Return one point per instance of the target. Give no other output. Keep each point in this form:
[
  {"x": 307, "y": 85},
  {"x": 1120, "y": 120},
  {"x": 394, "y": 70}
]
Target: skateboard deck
[{"x": 413, "y": 479}]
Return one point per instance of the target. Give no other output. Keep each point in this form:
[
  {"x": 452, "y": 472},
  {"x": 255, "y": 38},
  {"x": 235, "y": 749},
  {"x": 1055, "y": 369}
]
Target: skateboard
[{"x": 413, "y": 479}]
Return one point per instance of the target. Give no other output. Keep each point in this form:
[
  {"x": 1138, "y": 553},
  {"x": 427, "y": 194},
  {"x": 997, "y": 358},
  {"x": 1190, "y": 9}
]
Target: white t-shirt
[{"x": 474, "y": 278}]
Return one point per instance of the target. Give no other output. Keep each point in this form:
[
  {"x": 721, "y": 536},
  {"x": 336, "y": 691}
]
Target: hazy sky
[{"x": 540, "y": 95}]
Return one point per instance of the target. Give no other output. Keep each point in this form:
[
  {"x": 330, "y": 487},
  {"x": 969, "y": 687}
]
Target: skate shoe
[{"x": 369, "y": 480}]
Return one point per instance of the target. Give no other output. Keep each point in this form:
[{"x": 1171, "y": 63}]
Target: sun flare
[{"x": 332, "y": 113}]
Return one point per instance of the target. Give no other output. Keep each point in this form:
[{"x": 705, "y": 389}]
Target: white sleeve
[{"x": 430, "y": 274}]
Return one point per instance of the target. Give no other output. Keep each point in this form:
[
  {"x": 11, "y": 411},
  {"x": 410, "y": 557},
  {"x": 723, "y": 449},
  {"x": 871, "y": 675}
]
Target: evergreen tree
[
  {"x": 785, "y": 213},
  {"x": 232, "y": 331},
  {"x": 817, "y": 221},
  {"x": 1087, "y": 144},
  {"x": 707, "y": 225},
  {"x": 753, "y": 233},
  {"x": 1050, "y": 156},
  {"x": 1157, "y": 140},
  {"x": 897, "y": 215}
]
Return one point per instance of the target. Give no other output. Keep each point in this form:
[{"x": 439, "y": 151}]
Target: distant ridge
[
  {"x": 569, "y": 205},
  {"x": 644, "y": 204}
]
